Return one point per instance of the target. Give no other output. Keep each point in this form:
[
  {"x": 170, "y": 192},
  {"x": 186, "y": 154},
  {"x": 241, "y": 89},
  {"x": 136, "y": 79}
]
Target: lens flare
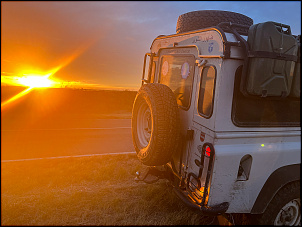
[
  {"x": 14, "y": 98},
  {"x": 34, "y": 81},
  {"x": 28, "y": 80},
  {"x": 42, "y": 80}
]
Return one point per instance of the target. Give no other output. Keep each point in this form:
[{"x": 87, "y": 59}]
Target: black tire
[
  {"x": 284, "y": 205},
  {"x": 208, "y": 18},
  {"x": 155, "y": 124}
]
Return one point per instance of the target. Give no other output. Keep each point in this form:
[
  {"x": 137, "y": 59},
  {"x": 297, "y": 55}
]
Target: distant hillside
[{"x": 66, "y": 102}]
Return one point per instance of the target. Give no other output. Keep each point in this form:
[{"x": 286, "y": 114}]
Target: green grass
[{"x": 97, "y": 190}]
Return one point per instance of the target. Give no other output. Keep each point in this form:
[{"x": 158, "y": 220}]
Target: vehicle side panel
[{"x": 268, "y": 152}]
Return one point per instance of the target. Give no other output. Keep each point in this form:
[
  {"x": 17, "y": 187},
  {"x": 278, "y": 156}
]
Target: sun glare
[
  {"x": 31, "y": 81},
  {"x": 34, "y": 81},
  {"x": 14, "y": 98}
]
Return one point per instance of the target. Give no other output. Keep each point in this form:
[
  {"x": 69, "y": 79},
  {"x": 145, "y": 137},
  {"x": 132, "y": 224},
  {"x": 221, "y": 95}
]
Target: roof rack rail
[{"x": 229, "y": 26}]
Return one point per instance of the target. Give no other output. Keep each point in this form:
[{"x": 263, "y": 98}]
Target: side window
[
  {"x": 177, "y": 72},
  {"x": 206, "y": 92},
  {"x": 263, "y": 112}
]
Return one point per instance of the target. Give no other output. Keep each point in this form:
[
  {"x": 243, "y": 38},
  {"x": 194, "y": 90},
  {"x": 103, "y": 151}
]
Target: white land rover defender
[{"x": 218, "y": 114}]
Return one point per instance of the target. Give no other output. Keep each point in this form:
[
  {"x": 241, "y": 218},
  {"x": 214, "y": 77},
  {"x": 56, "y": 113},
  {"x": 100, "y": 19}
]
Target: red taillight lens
[{"x": 208, "y": 151}]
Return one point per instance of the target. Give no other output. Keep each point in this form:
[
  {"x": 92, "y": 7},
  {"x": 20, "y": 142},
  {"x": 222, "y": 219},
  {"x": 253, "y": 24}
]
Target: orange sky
[
  {"x": 40, "y": 36},
  {"x": 102, "y": 44}
]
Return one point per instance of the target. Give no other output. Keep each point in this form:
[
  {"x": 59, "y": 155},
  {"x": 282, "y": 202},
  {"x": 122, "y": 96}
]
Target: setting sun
[
  {"x": 31, "y": 80},
  {"x": 34, "y": 81}
]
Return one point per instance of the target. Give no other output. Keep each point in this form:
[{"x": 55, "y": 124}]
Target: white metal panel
[
  {"x": 209, "y": 122},
  {"x": 268, "y": 154},
  {"x": 208, "y": 42}
]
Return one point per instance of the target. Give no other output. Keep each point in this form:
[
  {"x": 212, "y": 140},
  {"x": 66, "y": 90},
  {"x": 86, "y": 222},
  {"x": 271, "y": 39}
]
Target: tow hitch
[{"x": 151, "y": 175}]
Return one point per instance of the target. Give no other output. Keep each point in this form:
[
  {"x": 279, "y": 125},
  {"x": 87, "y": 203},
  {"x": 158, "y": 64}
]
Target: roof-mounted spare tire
[
  {"x": 208, "y": 18},
  {"x": 155, "y": 124}
]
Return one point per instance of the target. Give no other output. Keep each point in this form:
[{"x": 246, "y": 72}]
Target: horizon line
[{"x": 79, "y": 87}]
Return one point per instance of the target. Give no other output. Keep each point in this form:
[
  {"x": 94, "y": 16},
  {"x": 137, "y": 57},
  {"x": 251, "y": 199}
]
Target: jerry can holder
[{"x": 230, "y": 27}]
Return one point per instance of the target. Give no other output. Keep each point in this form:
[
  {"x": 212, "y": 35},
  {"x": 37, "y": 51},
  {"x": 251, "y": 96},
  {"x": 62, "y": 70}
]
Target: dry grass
[{"x": 87, "y": 191}]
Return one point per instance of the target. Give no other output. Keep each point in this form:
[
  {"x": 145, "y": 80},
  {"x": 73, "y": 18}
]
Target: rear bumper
[{"x": 214, "y": 210}]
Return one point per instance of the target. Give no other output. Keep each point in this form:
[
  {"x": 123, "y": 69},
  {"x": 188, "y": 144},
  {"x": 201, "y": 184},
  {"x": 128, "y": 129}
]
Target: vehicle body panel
[{"x": 268, "y": 147}]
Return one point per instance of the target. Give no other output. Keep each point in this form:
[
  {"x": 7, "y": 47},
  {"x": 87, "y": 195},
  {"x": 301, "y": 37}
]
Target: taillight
[{"x": 207, "y": 151}]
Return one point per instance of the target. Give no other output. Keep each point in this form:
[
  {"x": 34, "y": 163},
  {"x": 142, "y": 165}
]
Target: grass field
[{"x": 97, "y": 190}]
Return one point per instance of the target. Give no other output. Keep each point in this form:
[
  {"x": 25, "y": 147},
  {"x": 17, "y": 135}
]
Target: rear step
[{"x": 205, "y": 210}]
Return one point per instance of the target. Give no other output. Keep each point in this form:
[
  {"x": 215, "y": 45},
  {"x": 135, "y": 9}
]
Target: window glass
[
  {"x": 177, "y": 72},
  {"x": 263, "y": 112},
  {"x": 152, "y": 75},
  {"x": 206, "y": 91}
]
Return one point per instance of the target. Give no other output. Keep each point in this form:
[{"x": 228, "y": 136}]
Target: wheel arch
[{"x": 277, "y": 180}]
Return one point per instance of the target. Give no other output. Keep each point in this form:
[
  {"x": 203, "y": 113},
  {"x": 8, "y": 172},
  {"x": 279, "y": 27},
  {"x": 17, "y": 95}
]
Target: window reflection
[
  {"x": 177, "y": 72},
  {"x": 206, "y": 91}
]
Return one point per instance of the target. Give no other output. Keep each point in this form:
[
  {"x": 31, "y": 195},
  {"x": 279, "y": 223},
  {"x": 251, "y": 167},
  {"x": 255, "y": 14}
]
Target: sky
[{"x": 101, "y": 44}]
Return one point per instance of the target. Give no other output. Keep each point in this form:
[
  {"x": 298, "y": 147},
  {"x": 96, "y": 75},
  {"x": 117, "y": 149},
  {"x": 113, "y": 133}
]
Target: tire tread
[
  {"x": 164, "y": 110},
  {"x": 207, "y": 18}
]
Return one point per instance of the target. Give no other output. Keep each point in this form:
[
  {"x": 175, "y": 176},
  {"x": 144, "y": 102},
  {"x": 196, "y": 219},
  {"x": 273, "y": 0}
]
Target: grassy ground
[{"x": 97, "y": 190}]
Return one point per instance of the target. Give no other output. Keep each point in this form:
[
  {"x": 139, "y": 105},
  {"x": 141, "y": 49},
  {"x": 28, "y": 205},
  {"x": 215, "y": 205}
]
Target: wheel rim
[
  {"x": 144, "y": 125},
  {"x": 290, "y": 214}
]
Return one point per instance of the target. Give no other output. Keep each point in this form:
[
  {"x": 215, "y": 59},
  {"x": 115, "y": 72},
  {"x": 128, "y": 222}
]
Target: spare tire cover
[
  {"x": 208, "y": 18},
  {"x": 155, "y": 124}
]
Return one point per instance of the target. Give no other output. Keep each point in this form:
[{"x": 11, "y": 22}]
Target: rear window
[{"x": 177, "y": 71}]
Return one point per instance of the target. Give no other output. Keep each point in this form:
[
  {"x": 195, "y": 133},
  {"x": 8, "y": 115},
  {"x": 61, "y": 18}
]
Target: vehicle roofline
[{"x": 214, "y": 28}]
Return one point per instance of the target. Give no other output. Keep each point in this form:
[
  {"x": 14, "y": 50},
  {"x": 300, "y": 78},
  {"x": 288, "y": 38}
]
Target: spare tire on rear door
[
  {"x": 155, "y": 124},
  {"x": 208, "y": 18}
]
